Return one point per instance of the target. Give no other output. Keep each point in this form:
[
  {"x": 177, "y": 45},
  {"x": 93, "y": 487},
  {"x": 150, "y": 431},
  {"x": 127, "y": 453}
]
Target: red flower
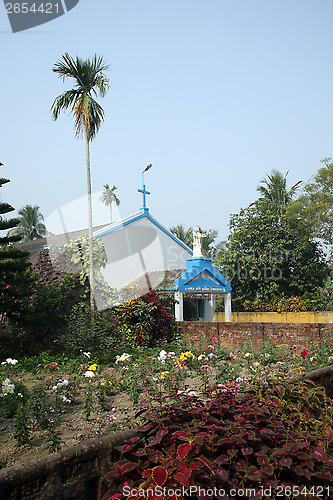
[{"x": 304, "y": 353}]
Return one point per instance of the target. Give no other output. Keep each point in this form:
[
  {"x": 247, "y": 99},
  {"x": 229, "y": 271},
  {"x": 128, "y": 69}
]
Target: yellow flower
[
  {"x": 185, "y": 355},
  {"x": 163, "y": 375},
  {"x": 93, "y": 367},
  {"x": 103, "y": 382}
]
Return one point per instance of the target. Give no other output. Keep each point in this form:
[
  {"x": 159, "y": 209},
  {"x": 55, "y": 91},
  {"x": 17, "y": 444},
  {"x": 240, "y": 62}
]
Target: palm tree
[
  {"x": 30, "y": 226},
  {"x": 185, "y": 235},
  {"x": 90, "y": 82},
  {"x": 274, "y": 188},
  {"x": 108, "y": 197}
]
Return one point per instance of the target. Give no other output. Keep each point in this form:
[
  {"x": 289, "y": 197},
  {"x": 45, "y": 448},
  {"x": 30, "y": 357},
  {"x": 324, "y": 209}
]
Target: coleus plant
[{"x": 221, "y": 444}]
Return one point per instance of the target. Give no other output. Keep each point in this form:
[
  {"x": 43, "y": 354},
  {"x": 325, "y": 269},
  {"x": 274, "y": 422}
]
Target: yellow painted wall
[{"x": 275, "y": 317}]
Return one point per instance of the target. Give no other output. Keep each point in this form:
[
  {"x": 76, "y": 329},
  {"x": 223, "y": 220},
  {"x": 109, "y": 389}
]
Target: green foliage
[
  {"x": 144, "y": 321},
  {"x": 87, "y": 403},
  {"x": 21, "y": 430},
  {"x": 16, "y": 282},
  {"x": 79, "y": 336},
  {"x": 315, "y": 205},
  {"x": 274, "y": 189},
  {"x": 78, "y": 249},
  {"x": 53, "y": 439},
  {"x": 38, "y": 407},
  {"x": 108, "y": 197},
  {"x": 40, "y": 363},
  {"x": 208, "y": 245},
  {"x": 267, "y": 257},
  {"x": 30, "y": 226}
]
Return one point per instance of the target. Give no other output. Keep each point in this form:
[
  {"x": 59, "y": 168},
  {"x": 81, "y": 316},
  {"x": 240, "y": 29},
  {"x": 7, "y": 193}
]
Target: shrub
[{"x": 226, "y": 442}]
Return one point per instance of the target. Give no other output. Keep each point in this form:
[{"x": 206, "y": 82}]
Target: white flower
[
  {"x": 7, "y": 387},
  {"x": 89, "y": 374},
  {"x": 123, "y": 357},
  {"x": 202, "y": 356},
  {"x": 242, "y": 380},
  {"x": 188, "y": 392},
  {"x": 65, "y": 399},
  {"x": 10, "y": 361},
  {"x": 19, "y": 394},
  {"x": 162, "y": 356},
  {"x": 87, "y": 354}
]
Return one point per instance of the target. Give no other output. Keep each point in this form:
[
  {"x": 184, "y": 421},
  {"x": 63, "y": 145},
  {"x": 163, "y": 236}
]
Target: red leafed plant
[{"x": 225, "y": 442}]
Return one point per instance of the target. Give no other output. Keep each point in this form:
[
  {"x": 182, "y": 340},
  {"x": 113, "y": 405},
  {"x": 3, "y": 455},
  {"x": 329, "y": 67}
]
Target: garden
[{"x": 209, "y": 416}]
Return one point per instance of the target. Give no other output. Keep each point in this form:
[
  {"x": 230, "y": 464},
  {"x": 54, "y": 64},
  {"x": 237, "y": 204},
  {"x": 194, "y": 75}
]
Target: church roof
[{"x": 135, "y": 217}]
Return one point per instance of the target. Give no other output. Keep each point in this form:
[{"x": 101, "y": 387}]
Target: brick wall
[
  {"x": 235, "y": 334},
  {"x": 75, "y": 473}
]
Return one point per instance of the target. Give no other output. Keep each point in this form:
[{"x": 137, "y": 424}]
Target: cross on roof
[{"x": 144, "y": 192}]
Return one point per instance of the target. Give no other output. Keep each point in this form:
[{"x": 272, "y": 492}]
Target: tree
[
  {"x": 16, "y": 283},
  {"x": 208, "y": 247},
  {"x": 30, "y": 226},
  {"x": 267, "y": 256},
  {"x": 185, "y": 235},
  {"x": 315, "y": 205},
  {"x": 90, "y": 82},
  {"x": 108, "y": 197},
  {"x": 274, "y": 188}
]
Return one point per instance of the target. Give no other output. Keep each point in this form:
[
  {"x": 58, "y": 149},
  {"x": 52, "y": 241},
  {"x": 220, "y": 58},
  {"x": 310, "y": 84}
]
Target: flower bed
[{"x": 49, "y": 403}]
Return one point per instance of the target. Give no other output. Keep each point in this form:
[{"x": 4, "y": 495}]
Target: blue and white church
[{"x": 141, "y": 251}]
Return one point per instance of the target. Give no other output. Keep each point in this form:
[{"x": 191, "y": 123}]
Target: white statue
[{"x": 197, "y": 254}]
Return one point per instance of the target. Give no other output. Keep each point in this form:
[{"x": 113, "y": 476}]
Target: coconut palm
[
  {"x": 30, "y": 226},
  {"x": 108, "y": 197},
  {"x": 89, "y": 82},
  {"x": 185, "y": 235},
  {"x": 274, "y": 188}
]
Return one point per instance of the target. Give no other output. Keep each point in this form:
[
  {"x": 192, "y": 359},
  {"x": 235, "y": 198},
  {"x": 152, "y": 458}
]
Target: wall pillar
[
  {"x": 227, "y": 308},
  {"x": 179, "y": 310},
  {"x": 210, "y": 308}
]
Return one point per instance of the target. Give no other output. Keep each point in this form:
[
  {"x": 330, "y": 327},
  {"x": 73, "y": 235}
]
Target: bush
[{"x": 226, "y": 442}]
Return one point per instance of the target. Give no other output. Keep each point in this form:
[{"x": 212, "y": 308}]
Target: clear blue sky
[{"x": 215, "y": 93}]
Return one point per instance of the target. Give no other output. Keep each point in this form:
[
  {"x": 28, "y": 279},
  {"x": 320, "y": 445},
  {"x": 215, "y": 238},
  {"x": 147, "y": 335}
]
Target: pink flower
[
  {"x": 304, "y": 353},
  {"x": 232, "y": 355},
  {"x": 212, "y": 355},
  {"x": 214, "y": 339},
  {"x": 206, "y": 367}
]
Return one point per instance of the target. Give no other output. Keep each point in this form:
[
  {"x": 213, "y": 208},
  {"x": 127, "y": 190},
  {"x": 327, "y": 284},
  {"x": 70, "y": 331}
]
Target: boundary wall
[
  {"x": 277, "y": 317},
  {"x": 236, "y": 334}
]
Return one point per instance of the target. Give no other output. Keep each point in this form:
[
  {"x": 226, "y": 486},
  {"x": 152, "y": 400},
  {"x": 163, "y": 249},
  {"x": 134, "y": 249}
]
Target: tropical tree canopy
[
  {"x": 208, "y": 247},
  {"x": 268, "y": 256},
  {"x": 30, "y": 225},
  {"x": 315, "y": 205},
  {"x": 15, "y": 278},
  {"x": 185, "y": 235},
  {"x": 108, "y": 197},
  {"x": 89, "y": 82},
  {"x": 274, "y": 188}
]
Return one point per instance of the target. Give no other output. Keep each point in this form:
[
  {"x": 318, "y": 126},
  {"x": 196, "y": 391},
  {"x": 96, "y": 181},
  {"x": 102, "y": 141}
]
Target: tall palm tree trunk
[{"x": 91, "y": 262}]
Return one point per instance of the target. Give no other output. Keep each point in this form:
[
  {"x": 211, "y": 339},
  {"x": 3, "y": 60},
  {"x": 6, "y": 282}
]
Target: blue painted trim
[
  {"x": 123, "y": 224},
  {"x": 177, "y": 240},
  {"x": 146, "y": 213}
]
